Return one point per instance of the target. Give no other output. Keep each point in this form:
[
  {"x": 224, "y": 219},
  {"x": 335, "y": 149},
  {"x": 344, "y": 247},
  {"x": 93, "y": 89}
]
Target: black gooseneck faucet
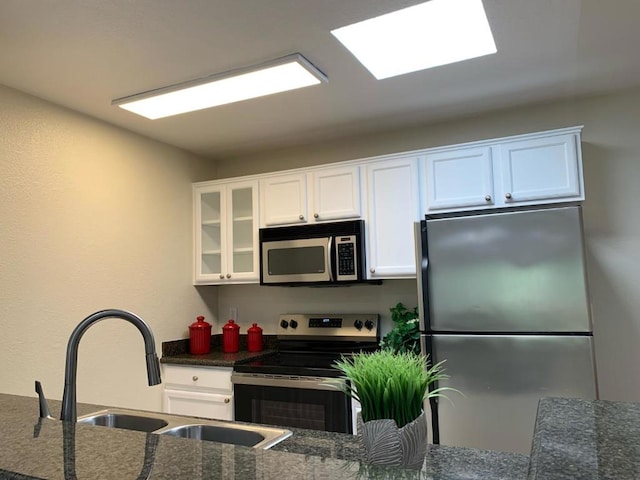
[{"x": 68, "y": 412}]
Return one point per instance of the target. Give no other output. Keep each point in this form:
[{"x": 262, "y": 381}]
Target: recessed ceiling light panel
[
  {"x": 427, "y": 35},
  {"x": 287, "y": 73}
]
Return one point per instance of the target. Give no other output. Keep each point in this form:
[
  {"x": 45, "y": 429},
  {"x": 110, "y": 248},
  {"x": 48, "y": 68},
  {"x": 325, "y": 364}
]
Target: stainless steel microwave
[{"x": 319, "y": 254}]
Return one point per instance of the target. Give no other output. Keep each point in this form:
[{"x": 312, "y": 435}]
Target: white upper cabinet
[
  {"x": 226, "y": 232},
  {"x": 545, "y": 168},
  {"x": 527, "y": 169},
  {"x": 393, "y": 205},
  {"x": 326, "y": 194},
  {"x": 460, "y": 178},
  {"x": 336, "y": 193},
  {"x": 390, "y": 192},
  {"x": 283, "y": 199}
]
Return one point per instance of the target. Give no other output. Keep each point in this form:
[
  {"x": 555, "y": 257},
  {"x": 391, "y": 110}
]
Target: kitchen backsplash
[{"x": 263, "y": 304}]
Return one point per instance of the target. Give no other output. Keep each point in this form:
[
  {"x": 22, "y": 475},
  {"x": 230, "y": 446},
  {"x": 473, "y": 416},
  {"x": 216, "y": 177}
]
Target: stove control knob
[
  {"x": 368, "y": 324},
  {"x": 284, "y": 324},
  {"x": 293, "y": 323},
  {"x": 358, "y": 324}
]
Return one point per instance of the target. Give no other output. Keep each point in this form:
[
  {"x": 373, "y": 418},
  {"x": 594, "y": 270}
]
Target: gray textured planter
[{"x": 386, "y": 444}]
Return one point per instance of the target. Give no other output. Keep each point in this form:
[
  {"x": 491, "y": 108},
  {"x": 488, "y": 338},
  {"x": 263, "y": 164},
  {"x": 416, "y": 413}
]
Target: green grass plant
[{"x": 390, "y": 385}]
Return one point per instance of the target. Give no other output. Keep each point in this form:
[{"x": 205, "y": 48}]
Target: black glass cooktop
[
  {"x": 309, "y": 363},
  {"x": 317, "y": 365}
]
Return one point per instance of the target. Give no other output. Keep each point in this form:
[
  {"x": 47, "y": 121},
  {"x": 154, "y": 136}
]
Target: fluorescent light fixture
[
  {"x": 286, "y": 73},
  {"x": 427, "y": 35}
]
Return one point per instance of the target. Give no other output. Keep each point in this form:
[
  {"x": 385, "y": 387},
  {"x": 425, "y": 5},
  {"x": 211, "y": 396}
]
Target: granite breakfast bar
[
  {"x": 574, "y": 439},
  {"x": 51, "y": 449}
]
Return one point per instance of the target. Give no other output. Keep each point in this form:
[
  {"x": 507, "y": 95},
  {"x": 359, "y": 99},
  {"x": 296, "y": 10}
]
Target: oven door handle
[{"x": 307, "y": 383}]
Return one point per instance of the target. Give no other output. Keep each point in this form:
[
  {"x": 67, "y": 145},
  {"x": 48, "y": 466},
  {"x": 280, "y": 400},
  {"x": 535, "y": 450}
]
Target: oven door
[
  {"x": 298, "y": 402},
  {"x": 303, "y": 260}
]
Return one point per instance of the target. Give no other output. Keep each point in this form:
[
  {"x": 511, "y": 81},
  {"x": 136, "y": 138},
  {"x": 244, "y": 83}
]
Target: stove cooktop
[
  {"x": 303, "y": 364},
  {"x": 315, "y": 364},
  {"x": 309, "y": 344}
]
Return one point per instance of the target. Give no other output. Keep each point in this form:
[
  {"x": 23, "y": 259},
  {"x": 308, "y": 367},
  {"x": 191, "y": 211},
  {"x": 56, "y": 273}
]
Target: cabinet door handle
[
  {"x": 228, "y": 275},
  {"x": 372, "y": 270},
  {"x": 301, "y": 217},
  {"x": 227, "y": 400},
  {"x": 221, "y": 275},
  {"x": 507, "y": 196},
  {"x": 487, "y": 198},
  {"x": 315, "y": 215},
  {"x": 194, "y": 378}
]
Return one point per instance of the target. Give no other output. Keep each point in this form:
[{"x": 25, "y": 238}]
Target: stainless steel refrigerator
[{"x": 503, "y": 298}]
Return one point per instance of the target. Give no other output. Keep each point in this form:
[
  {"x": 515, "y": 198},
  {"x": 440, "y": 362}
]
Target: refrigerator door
[
  {"x": 519, "y": 271},
  {"x": 502, "y": 378}
]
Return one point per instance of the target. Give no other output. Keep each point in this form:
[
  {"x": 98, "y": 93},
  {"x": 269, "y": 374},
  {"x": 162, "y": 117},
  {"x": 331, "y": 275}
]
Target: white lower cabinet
[{"x": 198, "y": 391}]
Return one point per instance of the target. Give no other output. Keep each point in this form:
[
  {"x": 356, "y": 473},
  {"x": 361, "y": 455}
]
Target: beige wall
[
  {"x": 255, "y": 303},
  {"x": 94, "y": 217},
  {"x": 91, "y": 217},
  {"x": 611, "y": 151}
]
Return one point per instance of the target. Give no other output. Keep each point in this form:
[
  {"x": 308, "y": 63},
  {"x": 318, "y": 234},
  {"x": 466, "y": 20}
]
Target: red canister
[
  {"x": 254, "y": 338},
  {"x": 199, "y": 337},
  {"x": 231, "y": 337}
]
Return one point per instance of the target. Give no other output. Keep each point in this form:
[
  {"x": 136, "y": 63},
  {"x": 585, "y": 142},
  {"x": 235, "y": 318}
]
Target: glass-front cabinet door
[
  {"x": 211, "y": 239},
  {"x": 226, "y": 232},
  {"x": 243, "y": 234}
]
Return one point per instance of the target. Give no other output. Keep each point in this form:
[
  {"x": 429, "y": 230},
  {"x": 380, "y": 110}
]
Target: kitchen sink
[
  {"x": 126, "y": 421},
  {"x": 215, "y": 433},
  {"x": 255, "y": 436}
]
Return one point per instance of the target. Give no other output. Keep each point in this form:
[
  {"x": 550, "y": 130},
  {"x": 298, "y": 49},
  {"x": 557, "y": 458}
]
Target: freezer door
[
  {"x": 519, "y": 271},
  {"x": 502, "y": 379}
]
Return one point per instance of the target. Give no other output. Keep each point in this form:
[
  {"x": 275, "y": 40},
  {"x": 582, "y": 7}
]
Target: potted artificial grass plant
[{"x": 391, "y": 388}]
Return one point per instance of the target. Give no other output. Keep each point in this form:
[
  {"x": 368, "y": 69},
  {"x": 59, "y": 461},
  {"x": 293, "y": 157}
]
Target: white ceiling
[{"x": 84, "y": 53}]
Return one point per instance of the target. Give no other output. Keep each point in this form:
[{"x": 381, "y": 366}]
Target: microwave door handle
[{"x": 328, "y": 259}]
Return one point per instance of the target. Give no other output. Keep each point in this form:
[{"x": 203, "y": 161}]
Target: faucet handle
[
  {"x": 44, "y": 406},
  {"x": 153, "y": 369}
]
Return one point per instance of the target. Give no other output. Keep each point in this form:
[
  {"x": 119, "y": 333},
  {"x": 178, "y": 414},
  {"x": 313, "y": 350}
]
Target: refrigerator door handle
[
  {"x": 426, "y": 345},
  {"x": 422, "y": 266}
]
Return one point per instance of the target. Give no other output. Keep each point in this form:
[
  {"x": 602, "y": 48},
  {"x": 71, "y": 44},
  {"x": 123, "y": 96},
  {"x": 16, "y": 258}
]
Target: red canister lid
[
  {"x": 254, "y": 329},
  {"x": 231, "y": 325},
  {"x": 200, "y": 323}
]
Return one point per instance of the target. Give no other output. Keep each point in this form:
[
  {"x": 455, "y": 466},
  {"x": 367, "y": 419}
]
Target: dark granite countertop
[
  {"x": 176, "y": 352},
  {"x": 586, "y": 439},
  {"x": 213, "y": 358},
  {"x": 59, "y": 450},
  {"x": 442, "y": 462}
]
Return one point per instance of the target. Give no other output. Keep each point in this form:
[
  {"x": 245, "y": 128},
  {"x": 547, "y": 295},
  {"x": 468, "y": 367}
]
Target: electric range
[{"x": 289, "y": 388}]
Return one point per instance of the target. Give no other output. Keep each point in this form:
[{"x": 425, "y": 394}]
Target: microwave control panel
[{"x": 346, "y": 258}]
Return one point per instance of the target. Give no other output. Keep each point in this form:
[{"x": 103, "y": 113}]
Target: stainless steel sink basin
[
  {"x": 214, "y": 433},
  {"x": 126, "y": 421},
  {"x": 255, "y": 436}
]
